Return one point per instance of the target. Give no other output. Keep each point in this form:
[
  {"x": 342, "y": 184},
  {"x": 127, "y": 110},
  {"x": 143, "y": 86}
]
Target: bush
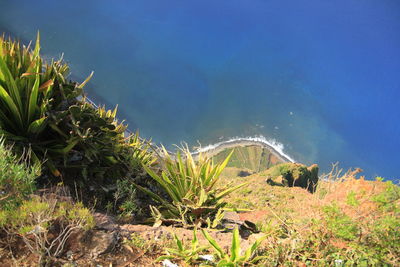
[
  {"x": 80, "y": 144},
  {"x": 191, "y": 187},
  {"x": 45, "y": 224},
  {"x": 340, "y": 225},
  {"x": 16, "y": 180}
]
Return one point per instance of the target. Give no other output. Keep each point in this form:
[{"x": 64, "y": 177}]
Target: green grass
[
  {"x": 17, "y": 180},
  {"x": 254, "y": 158}
]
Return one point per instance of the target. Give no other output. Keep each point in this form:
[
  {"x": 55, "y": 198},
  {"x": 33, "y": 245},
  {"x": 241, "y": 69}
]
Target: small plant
[
  {"x": 191, "y": 185},
  {"x": 126, "y": 196},
  {"x": 135, "y": 240},
  {"x": 46, "y": 224},
  {"x": 235, "y": 259},
  {"x": 140, "y": 152},
  {"x": 340, "y": 225},
  {"x": 187, "y": 255},
  {"x": 352, "y": 199},
  {"x": 17, "y": 180}
]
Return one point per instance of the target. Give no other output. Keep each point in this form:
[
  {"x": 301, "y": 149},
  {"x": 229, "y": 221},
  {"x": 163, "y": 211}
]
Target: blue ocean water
[{"x": 320, "y": 77}]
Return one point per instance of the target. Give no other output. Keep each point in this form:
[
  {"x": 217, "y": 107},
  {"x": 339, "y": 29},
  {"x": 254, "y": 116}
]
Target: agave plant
[
  {"x": 190, "y": 255},
  {"x": 41, "y": 110},
  {"x": 25, "y": 89},
  {"x": 235, "y": 259},
  {"x": 141, "y": 150},
  {"x": 191, "y": 186},
  {"x": 29, "y": 91}
]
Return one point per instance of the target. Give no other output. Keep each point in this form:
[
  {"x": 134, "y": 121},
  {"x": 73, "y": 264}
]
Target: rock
[
  {"x": 293, "y": 174},
  {"x": 100, "y": 242},
  {"x": 243, "y": 173},
  {"x": 105, "y": 222},
  {"x": 230, "y": 220}
]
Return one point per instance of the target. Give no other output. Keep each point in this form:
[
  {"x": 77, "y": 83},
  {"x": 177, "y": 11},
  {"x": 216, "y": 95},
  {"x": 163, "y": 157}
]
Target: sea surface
[{"x": 320, "y": 79}]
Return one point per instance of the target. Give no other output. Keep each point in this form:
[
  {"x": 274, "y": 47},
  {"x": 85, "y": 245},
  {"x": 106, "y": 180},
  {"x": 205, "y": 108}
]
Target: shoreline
[{"x": 273, "y": 146}]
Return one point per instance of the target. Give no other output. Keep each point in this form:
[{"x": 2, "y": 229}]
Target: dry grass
[
  {"x": 338, "y": 220},
  {"x": 297, "y": 202}
]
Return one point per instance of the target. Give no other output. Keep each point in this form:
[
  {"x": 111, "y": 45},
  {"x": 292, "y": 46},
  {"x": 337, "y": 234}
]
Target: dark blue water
[{"x": 321, "y": 77}]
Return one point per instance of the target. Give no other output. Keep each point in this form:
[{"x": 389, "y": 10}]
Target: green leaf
[
  {"x": 223, "y": 164},
  {"x": 251, "y": 250},
  {"x": 37, "y": 46},
  {"x": 151, "y": 194},
  {"x": 86, "y": 80},
  {"x": 213, "y": 243},
  {"x": 195, "y": 241},
  {"x": 179, "y": 243},
  {"x": 37, "y": 126},
  {"x": 15, "y": 112},
  {"x": 10, "y": 82},
  {"x": 230, "y": 190},
  {"x": 225, "y": 263},
  {"x": 165, "y": 257},
  {"x": 67, "y": 148},
  {"x": 235, "y": 248},
  {"x": 6, "y": 121},
  {"x": 33, "y": 98}
]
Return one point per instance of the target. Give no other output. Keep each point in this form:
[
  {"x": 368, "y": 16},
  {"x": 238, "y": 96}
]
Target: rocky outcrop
[{"x": 293, "y": 174}]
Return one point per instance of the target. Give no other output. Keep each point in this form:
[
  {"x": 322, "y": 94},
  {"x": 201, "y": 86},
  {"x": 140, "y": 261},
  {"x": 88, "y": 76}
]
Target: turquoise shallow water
[{"x": 320, "y": 77}]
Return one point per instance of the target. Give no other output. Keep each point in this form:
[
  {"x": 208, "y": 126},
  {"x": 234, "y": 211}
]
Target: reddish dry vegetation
[{"x": 265, "y": 201}]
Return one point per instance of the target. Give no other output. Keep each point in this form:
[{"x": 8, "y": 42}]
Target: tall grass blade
[
  {"x": 5, "y": 75},
  {"x": 230, "y": 190},
  {"x": 15, "y": 112},
  {"x": 213, "y": 243},
  {"x": 86, "y": 80},
  {"x": 33, "y": 98},
  {"x": 235, "y": 248}
]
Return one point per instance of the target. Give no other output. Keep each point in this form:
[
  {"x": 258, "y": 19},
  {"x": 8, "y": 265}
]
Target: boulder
[{"x": 293, "y": 174}]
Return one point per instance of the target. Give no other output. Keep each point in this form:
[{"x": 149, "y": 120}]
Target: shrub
[
  {"x": 16, "y": 179},
  {"x": 45, "y": 224},
  {"x": 340, "y": 224},
  {"x": 80, "y": 144},
  {"x": 125, "y": 198},
  {"x": 26, "y": 89},
  {"x": 190, "y": 185}
]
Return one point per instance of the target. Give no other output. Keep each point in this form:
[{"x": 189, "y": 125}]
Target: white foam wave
[{"x": 278, "y": 147}]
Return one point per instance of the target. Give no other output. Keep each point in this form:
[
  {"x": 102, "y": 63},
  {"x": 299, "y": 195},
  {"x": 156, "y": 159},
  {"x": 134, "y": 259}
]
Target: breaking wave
[{"x": 258, "y": 140}]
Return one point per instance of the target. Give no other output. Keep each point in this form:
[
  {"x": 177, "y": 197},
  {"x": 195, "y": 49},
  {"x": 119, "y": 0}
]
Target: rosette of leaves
[
  {"x": 235, "y": 258},
  {"x": 31, "y": 91},
  {"x": 191, "y": 186}
]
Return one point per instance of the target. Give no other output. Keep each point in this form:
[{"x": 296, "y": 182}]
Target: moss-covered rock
[{"x": 293, "y": 174}]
